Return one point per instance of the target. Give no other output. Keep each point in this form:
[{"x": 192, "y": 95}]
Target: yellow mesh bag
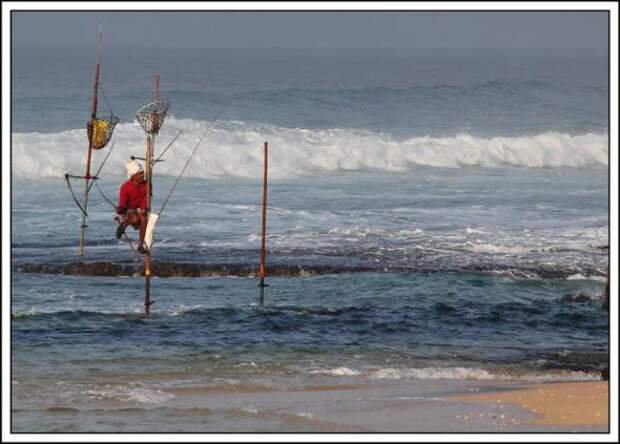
[{"x": 100, "y": 131}]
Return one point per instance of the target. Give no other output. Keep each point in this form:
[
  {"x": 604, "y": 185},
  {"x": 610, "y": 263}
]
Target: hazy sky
[{"x": 409, "y": 29}]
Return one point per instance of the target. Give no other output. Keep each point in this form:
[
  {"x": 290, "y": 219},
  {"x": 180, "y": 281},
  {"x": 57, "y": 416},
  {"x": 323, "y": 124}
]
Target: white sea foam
[
  {"x": 181, "y": 309},
  {"x": 340, "y": 371},
  {"x": 249, "y": 409},
  {"x": 493, "y": 248},
  {"x": 247, "y": 364},
  {"x": 141, "y": 395},
  {"x": 432, "y": 373},
  {"x": 461, "y": 373},
  {"x": 147, "y": 396},
  {"x": 235, "y": 149},
  {"x": 25, "y": 312},
  {"x": 581, "y": 277}
]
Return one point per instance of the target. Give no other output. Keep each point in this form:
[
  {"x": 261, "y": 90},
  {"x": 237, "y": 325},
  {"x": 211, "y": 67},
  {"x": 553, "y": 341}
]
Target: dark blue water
[
  {"x": 453, "y": 276},
  {"x": 365, "y": 322},
  {"x": 405, "y": 93}
]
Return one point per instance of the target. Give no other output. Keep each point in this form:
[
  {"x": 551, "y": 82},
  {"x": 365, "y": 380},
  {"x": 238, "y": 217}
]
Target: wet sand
[
  {"x": 559, "y": 404},
  {"x": 437, "y": 406}
]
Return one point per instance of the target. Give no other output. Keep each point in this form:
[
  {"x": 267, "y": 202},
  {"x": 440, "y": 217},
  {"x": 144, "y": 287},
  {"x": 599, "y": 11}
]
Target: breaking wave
[
  {"x": 132, "y": 393},
  {"x": 233, "y": 148},
  {"x": 466, "y": 373}
]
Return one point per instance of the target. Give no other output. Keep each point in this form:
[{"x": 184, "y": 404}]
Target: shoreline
[{"x": 411, "y": 406}]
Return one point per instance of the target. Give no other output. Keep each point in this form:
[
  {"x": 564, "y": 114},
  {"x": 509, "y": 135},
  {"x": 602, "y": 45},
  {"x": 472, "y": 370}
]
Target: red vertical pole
[
  {"x": 261, "y": 270},
  {"x": 93, "y": 113}
]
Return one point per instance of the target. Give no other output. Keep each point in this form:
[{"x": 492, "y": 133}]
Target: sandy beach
[
  {"x": 420, "y": 407},
  {"x": 565, "y": 404},
  {"x": 412, "y": 406}
]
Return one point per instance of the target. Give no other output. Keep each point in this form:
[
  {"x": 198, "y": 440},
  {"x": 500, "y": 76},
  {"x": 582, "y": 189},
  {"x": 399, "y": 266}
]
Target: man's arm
[{"x": 123, "y": 200}]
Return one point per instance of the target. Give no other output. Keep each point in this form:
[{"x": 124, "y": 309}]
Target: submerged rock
[
  {"x": 299, "y": 268},
  {"x": 181, "y": 269},
  {"x": 81, "y": 268}
]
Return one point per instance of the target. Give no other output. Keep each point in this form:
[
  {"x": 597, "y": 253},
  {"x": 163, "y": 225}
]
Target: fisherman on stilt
[{"x": 132, "y": 203}]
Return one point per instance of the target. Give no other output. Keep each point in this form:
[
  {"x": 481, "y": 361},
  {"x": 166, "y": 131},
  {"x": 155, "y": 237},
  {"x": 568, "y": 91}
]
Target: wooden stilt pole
[
  {"x": 148, "y": 160},
  {"x": 85, "y": 205},
  {"x": 93, "y": 118},
  {"x": 261, "y": 296},
  {"x": 261, "y": 270},
  {"x": 147, "y": 262}
]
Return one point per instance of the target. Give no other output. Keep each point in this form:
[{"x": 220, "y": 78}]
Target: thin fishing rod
[
  {"x": 132, "y": 157},
  {"x": 173, "y": 140},
  {"x": 75, "y": 199},
  {"x": 161, "y": 210},
  {"x": 106, "y": 100},
  {"x": 94, "y": 178},
  {"x": 73, "y": 176},
  {"x": 104, "y": 196},
  {"x": 169, "y": 145},
  {"x": 136, "y": 256},
  {"x": 101, "y": 166}
]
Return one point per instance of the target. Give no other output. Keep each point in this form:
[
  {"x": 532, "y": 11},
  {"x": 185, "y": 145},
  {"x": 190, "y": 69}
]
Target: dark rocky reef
[
  {"x": 180, "y": 269},
  {"x": 81, "y": 268},
  {"x": 295, "y": 268}
]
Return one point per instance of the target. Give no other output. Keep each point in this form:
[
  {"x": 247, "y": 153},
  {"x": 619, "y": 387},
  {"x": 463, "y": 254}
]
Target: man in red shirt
[{"x": 132, "y": 203}]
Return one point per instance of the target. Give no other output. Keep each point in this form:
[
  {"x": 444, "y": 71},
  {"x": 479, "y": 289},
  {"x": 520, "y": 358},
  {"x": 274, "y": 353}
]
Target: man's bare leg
[
  {"x": 138, "y": 221},
  {"x": 143, "y": 221}
]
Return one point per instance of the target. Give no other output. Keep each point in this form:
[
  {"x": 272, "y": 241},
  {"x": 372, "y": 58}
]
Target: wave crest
[{"x": 233, "y": 148}]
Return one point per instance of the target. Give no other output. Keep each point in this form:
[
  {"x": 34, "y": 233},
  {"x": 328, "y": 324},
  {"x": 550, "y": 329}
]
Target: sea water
[{"x": 441, "y": 214}]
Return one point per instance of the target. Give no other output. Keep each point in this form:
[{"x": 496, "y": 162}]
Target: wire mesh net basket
[
  {"x": 100, "y": 131},
  {"x": 151, "y": 117}
]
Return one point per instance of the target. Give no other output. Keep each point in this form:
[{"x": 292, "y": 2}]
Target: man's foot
[
  {"x": 120, "y": 230},
  {"x": 141, "y": 249}
]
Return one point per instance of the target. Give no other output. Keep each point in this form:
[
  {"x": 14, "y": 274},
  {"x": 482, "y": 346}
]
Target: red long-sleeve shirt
[{"x": 131, "y": 196}]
